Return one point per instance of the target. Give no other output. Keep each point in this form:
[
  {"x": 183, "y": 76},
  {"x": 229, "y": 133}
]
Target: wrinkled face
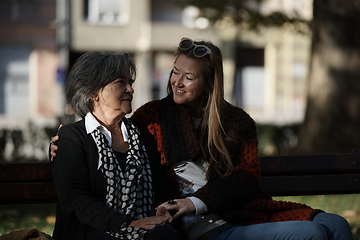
[
  {"x": 115, "y": 98},
  {"x": 187, "y": 82}
]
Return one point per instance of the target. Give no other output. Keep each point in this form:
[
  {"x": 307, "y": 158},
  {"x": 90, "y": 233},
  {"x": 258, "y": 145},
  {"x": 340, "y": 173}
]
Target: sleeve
[
  {"x": 200, "y": 206},
  {"x": 73, "y": 185},
  {"x": 231, "y": 192},
  {"x": 146, "y": 115}
]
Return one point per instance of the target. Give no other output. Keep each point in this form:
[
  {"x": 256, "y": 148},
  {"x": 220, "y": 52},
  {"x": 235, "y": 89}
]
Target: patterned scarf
[{"x": 129, "y": 191}]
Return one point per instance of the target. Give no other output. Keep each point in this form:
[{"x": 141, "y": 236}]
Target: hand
[
  {"x": 150, "y": 222},
  {"x": 161, "y": 211},
  {"x": 53, "y": 146},
  {"x": 182, "y": 206}
]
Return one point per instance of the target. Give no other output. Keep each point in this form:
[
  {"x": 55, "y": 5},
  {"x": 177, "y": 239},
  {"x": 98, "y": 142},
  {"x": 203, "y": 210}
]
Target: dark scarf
[
  {"x": 129, "y": 191},
  {"x": 180, "y": 139}
]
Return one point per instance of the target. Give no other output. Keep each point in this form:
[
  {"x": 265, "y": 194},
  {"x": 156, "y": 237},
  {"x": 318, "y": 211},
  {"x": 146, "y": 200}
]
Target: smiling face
[
  {"x": 187, "y": 82},
  {"x": 115, "y": 98}
]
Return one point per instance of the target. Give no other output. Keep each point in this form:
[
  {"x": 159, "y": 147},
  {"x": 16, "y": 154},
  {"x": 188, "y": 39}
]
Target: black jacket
[{"x": 74, "y": 171}]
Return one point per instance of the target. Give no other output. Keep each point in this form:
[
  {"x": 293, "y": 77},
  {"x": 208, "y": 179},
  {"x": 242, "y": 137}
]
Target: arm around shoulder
[{"x": 73, "y": 180}]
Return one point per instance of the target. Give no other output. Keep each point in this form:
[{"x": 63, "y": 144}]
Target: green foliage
[
  {"x": 3, "y": 139},
  {"x": 28, "y": 216},
  {"x": 26, "y": 144},
  {"x": 18, "y": 140},
  {"x": 277, "y": 140},
  {"x": 244, "y": 13},
  {"x": 346, "y": 205}
]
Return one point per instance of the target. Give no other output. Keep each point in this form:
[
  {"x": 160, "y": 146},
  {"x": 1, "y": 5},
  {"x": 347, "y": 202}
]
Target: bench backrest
[
  {"x": 26, "y": 183},
  {"x": 281, "y": 176},
  {"x": 311, "y": 175}
]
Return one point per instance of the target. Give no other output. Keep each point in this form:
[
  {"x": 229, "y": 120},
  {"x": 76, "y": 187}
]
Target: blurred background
[{"x": 293, "y": 65}]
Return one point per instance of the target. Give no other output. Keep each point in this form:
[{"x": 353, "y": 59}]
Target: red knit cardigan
[{"x": 238, "y": 198}]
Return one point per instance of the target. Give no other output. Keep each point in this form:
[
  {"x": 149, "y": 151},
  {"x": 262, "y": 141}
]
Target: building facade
[
  {"x": 265, "y": 71},
  {"x": 28, "y": 59}
]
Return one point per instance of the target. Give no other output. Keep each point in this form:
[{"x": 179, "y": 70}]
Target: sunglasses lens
[
  {"x": 200, "y": 51},
  {"x": 185, "y": 44}
]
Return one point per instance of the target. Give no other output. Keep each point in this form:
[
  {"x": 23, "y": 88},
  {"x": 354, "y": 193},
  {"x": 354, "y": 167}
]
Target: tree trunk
[{"x": 332, "y": 119}]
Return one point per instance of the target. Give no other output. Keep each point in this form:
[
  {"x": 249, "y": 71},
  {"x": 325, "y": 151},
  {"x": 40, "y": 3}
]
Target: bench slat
[
  {"x": 25, "y": 172},
  {"x": 14, "y": 193},
  {"x": 312, "y": 164},
  {"x": 311, "y": 185}
]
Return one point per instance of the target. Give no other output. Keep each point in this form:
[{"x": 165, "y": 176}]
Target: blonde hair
[{"x": 212, "y": 133}]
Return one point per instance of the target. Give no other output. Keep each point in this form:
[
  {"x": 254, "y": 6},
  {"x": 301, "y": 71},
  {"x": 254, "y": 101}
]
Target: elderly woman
[{"x": 105, "y": 179}]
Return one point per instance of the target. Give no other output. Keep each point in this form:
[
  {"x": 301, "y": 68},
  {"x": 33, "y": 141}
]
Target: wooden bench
[
  {"x": 281, "y": 176},
  {"x": 26, "y": 183}
]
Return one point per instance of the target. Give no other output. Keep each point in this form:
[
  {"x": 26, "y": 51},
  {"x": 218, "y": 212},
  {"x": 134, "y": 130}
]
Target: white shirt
[{"x": 91, "y": 124}]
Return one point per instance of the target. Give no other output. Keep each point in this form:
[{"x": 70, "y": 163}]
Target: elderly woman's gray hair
[{"x": 92, "y": 72}]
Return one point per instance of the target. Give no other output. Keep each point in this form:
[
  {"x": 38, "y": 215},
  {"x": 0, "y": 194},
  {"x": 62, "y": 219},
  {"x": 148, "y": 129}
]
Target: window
[
  {"x": 249, "y": 90},
  {"x": 107, "y": 12}
]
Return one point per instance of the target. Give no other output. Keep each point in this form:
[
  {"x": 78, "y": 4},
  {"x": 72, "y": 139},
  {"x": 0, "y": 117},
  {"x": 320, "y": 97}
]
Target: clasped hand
[
  {"x": 181, "y": 206},
  {"x": 162, "y": 217}
]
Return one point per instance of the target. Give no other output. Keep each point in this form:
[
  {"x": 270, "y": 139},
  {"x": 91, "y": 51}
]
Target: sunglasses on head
[{"x": 198, "y": 51}]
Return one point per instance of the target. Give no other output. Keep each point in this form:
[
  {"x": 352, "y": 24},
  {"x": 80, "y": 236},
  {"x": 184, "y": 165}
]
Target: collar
[{"x": 91, "y": 123}]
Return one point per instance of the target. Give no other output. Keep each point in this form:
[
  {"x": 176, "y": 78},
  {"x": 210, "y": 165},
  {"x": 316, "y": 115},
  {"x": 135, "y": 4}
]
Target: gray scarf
[{"x": 129, "y": 191}]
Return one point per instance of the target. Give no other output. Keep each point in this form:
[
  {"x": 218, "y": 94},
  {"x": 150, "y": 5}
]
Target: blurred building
[
  {"x": 28, "y": 60},
  {"x": 149, "y": 30},
  {"x": 265, "y": 71},
  {"x": 272, "y": 66},
  {"x": 270, "y": 80}
]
